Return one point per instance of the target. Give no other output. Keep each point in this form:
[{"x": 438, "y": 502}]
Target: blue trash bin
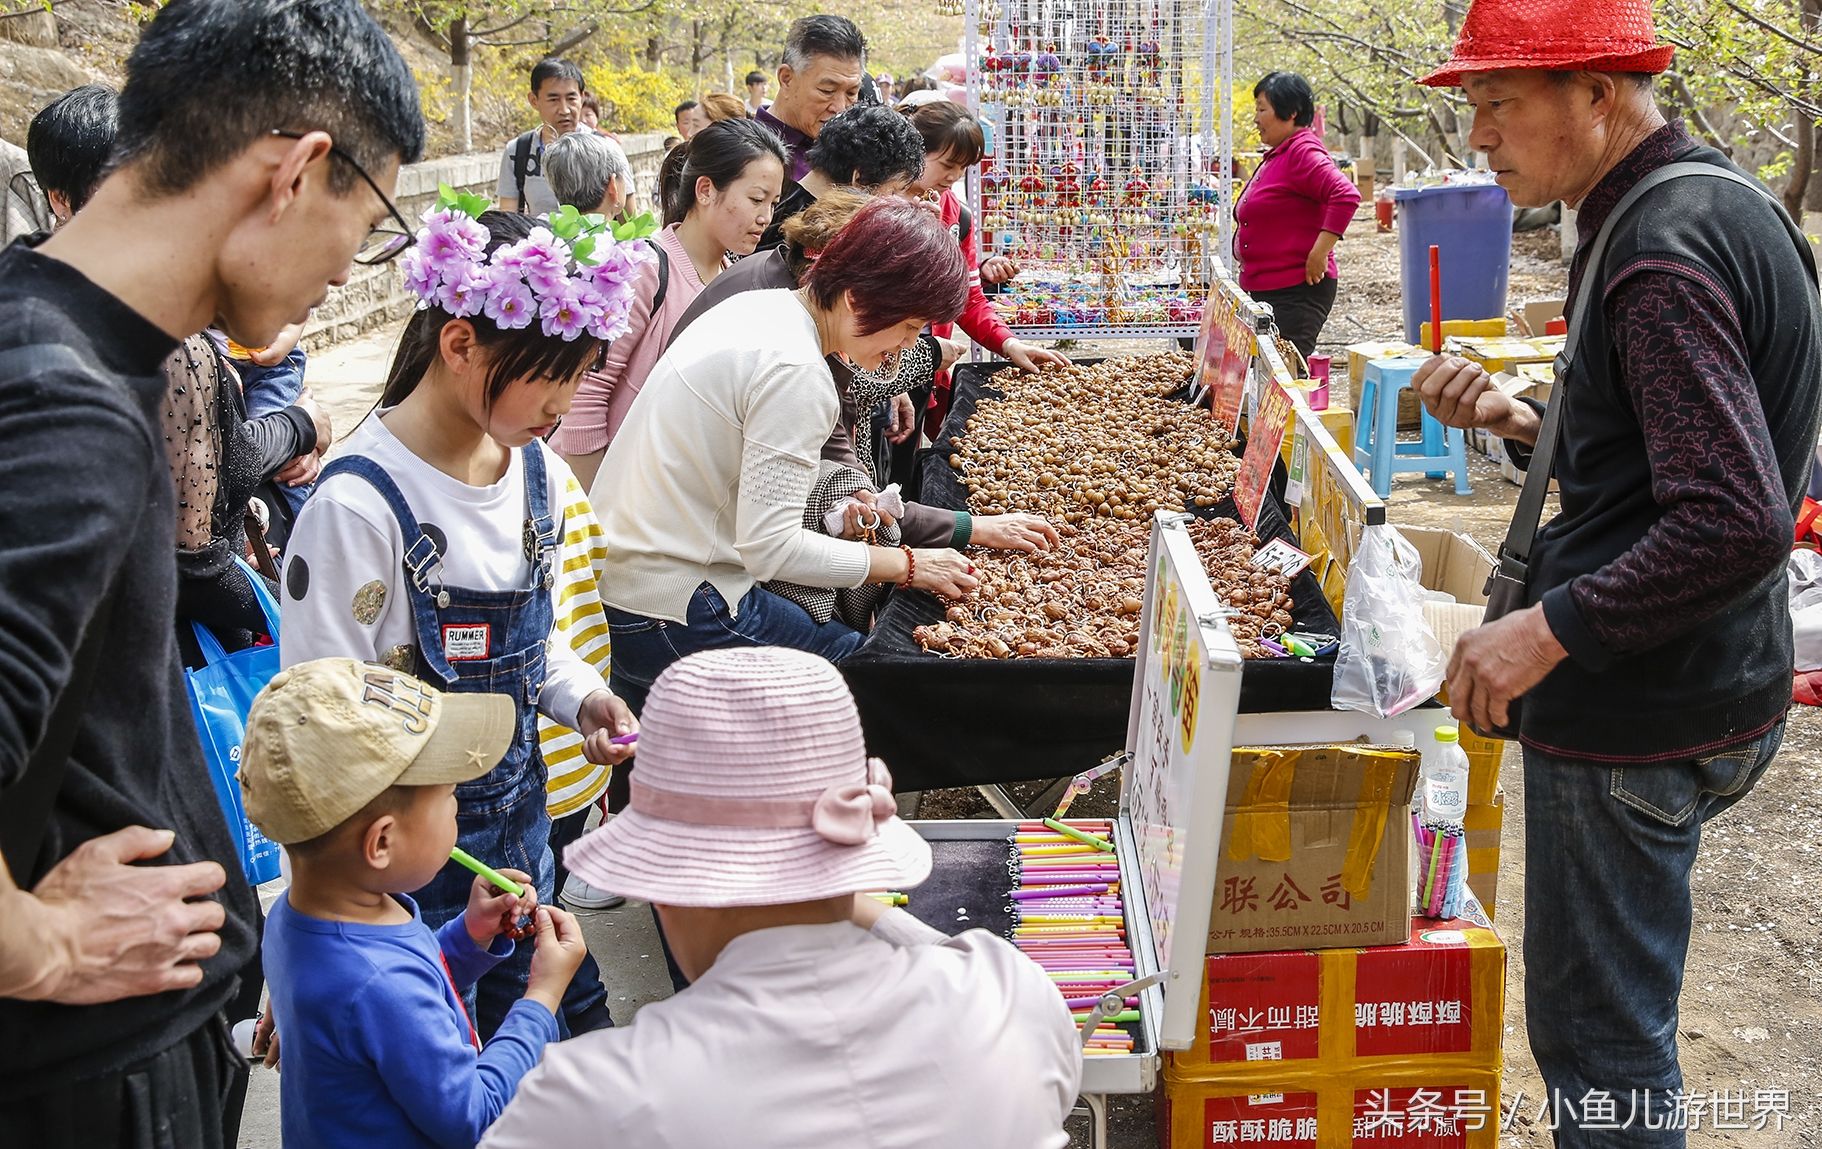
[{"x": 1472, "y": 224}]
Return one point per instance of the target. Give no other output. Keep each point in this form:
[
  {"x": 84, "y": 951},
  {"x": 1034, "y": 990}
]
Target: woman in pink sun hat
[
  {"x": 817, "y": 1016},
  {"x": 1649, "y": 638}
]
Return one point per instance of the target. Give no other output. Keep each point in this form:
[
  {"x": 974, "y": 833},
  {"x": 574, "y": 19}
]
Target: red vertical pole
[{"x": 1435, "y": 300}]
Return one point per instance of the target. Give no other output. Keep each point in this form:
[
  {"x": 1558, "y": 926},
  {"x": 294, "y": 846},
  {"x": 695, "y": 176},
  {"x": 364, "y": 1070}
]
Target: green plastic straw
[
  {"x": 463, "y": 858},
  {"x": 1116, "y": 1018},
  {"x": 1068, "y": 831}
]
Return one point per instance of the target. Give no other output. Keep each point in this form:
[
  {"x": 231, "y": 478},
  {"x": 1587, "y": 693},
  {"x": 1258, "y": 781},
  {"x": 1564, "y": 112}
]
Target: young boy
[{"x": 352, "y": 767}]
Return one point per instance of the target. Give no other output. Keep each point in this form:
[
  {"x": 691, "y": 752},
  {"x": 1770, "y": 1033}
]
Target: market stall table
[{"x": 968, "y": 722}]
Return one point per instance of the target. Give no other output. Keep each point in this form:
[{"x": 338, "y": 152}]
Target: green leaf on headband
[
  {"x": 469, "y": 204},
  {"x": 638, "y": 228}
]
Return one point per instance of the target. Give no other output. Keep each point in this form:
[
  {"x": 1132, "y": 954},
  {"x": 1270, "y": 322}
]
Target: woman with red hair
[{"x": 702, "y": 494}]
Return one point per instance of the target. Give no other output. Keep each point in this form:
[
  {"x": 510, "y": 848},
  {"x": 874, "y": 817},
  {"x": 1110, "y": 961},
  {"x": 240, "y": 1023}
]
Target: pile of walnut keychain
[{"x": 1096, "y": 450}]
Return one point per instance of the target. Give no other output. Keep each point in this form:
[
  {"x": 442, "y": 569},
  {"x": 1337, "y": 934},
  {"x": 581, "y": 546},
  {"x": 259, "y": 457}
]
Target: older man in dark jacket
[{"x": 1654, "y": 653}]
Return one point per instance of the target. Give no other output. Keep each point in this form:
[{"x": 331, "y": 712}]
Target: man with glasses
[{"x": 242, "y": 183}]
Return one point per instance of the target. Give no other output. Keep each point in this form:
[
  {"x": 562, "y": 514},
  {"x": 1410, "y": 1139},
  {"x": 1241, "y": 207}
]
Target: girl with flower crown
[
  {"x": 731, "y": 175},
  {"x": 430, "y": 545}
]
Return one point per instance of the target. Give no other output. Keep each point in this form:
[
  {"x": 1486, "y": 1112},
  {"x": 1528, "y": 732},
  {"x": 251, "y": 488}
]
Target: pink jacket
[
  {"x": 1297, "y": 193},
  {"x": 604, "y": 397}
]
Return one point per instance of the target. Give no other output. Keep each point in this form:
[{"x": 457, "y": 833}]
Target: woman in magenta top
[
  {"x": 1292, "y": 213},
  {"x": 731, "y": 176}
]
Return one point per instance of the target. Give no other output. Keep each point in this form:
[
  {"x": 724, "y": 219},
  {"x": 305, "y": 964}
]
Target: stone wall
[{"x": 375, "y": 296}]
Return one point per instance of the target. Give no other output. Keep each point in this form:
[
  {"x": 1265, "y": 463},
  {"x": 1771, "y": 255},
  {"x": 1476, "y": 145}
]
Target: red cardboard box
[
  {"x": 1460, "y": 1111},
  {"x": 1438, "y": 1000}
]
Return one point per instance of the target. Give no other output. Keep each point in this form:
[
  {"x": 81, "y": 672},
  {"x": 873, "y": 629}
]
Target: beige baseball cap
[{"x": 324, "y": 738}]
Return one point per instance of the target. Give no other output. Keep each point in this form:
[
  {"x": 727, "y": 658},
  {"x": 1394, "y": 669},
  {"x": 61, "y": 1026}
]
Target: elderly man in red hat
[{"x": 1651, "y": 642}]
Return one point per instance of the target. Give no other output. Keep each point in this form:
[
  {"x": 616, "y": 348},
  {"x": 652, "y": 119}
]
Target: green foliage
[
  {"x": 634, "y": 99},
  {"x": 640, "y": 226}
]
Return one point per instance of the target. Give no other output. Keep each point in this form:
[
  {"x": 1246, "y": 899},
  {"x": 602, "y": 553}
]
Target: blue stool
[{"x": 1377, "y": 451}]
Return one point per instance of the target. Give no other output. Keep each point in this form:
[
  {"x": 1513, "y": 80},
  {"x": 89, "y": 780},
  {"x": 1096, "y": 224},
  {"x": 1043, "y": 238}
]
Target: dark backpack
[
  {"x": 664, "y": 274},
  {"x": 522, "y": 164}
]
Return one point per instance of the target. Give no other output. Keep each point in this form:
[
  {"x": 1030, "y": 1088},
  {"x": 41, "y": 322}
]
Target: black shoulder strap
[
  {"x": 1521, "y": 536},
  {"x": 664, "y": 274},
  {"x": 26, "y": 806},
  {"x": 965, "y": 226},
  {"x": 521, "y": 166}
]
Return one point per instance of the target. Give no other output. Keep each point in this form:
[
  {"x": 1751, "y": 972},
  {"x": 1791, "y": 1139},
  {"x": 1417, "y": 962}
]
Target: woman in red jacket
[
  {"x": 953, "y": 143},
  {"x": 1292, "y": 213}
]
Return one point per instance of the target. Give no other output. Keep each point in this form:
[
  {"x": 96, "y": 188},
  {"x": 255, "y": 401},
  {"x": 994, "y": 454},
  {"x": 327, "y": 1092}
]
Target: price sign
[{"x": 1265, "y": 439}]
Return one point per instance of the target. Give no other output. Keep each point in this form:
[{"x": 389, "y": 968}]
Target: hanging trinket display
[{"x": 1100, "y": 180}]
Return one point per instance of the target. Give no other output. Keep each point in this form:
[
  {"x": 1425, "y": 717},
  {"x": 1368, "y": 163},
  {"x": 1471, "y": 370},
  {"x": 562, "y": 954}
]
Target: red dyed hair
[{"x": 895, "y": 261}]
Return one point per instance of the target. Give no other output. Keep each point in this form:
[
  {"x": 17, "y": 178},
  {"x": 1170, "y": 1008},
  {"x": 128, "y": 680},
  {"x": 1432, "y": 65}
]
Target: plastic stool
[{"x": 1377, "y": 451}]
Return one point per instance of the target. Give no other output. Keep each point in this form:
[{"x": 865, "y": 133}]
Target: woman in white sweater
[{"x": 701, "y": 496}]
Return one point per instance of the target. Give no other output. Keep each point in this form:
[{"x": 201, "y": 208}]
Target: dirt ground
[{"x": 1752, "y": 1005}]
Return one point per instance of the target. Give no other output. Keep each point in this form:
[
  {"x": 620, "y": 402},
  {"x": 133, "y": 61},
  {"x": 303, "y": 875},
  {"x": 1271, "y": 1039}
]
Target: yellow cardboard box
[
  {"x": 1317, "y": 850},
  {"x": 1485, "y": 825}
]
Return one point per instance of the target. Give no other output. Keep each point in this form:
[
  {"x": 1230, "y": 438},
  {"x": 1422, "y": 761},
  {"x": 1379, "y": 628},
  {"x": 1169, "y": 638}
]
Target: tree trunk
[
  {"x": 461, "y": 83},
  {"x": 1804, "y": 165}
]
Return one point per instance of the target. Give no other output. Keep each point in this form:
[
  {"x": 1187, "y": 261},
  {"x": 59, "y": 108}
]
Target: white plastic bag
[
  {"x": 1389, "y": 660},
  {"x": 1806, "y": 608}
]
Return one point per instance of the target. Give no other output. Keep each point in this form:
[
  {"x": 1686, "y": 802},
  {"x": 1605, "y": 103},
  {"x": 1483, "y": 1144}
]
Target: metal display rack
[{"x": 1110, "y": 124}]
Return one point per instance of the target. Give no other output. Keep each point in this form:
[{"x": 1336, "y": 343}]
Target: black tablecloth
[{"x": 964, "y": 722}]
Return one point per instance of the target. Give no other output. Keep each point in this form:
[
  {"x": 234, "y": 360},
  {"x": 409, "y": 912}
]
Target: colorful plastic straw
[{"x": 463, "y": 858}]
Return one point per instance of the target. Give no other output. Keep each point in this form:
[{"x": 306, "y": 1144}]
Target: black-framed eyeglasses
[{"x": 386, "y": 242}]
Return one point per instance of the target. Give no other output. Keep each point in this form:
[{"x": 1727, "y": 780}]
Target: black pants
[
  {"x": 171, "y": 1100},
  {"x": 1301, "y": 311}
]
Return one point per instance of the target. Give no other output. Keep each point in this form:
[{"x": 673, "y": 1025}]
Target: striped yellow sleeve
[{"x": 574, "y": 781}]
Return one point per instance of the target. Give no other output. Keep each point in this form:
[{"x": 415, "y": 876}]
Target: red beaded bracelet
[{"x": 910, "y": 566}]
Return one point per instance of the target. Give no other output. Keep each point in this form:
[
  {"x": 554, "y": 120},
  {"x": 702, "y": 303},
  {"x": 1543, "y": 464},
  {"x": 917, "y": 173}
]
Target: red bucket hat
[{"x": 1557, "y": 36}]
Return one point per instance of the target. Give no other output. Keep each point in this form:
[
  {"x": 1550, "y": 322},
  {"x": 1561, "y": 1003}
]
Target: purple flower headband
[{"x": 572, "y": 274}]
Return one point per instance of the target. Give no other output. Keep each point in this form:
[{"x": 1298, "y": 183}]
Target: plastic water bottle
[{"x": 1445, "y": 778}]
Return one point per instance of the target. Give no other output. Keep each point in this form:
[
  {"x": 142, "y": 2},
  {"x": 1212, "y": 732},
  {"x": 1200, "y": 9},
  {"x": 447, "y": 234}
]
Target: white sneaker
[{"x": 582, "y": 896}]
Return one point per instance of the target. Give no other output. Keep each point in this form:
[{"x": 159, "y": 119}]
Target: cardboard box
[
  {"x": 1505, "y": 354},
  {"x": 1350, "y": 1047},
  {"x": 1317, "y": 849},
  {"x": 1458, "y": 1110},
  {"x": 1534, "y": 316},
  {"x": 1485, "y": 825}
]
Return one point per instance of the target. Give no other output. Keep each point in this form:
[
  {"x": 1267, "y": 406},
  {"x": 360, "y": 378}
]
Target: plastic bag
[
  {"x": 1389, "y": 660},
  {"x": 1806, "y": 608},
  {"x": 221, "y": 693}
]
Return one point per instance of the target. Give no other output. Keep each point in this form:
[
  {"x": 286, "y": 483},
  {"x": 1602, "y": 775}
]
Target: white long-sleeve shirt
[
  {"x": 707, "y": 479},
  {"x": 344, "y": 593},
  {"x": 821, "y": 1035}
]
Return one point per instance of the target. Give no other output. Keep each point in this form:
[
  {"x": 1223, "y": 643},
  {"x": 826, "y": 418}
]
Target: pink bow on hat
[{"x": 849, "y": 813}]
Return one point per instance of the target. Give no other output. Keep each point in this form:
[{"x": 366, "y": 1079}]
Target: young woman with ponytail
[{"x": 719, "y": 190}]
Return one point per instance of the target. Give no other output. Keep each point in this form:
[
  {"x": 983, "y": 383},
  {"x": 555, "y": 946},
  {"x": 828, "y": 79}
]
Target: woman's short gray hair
[{"x": 579, "y": 166}]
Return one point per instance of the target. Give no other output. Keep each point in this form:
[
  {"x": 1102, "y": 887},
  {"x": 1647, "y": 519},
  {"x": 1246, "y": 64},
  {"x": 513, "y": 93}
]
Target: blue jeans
[
  {"x": 1608, "y": 855},
  {"x": 644, "y": 647}
]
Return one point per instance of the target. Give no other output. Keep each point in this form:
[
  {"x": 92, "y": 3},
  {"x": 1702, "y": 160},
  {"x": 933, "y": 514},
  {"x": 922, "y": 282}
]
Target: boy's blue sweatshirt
[{"x": 376, "y": 1046}]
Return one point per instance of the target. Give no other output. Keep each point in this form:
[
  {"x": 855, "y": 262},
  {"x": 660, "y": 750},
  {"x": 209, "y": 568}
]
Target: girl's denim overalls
[{"x": 492, "y": 642}]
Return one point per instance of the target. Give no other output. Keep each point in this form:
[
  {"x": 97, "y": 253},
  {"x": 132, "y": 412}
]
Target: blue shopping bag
[{"x": 221, "y": 694}]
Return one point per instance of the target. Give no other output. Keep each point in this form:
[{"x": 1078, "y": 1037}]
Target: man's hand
[
  {"x": 904, "y": 418},
  {"x": 1032, "y": 359},
  {"x": 1460, "y": 393},
  {"x": 105, "y": 929},
  {"x": 603, "y": 718},
  {"x": 1014, "y": 532},
  {"x": 998, "y": 269},
  {"x": 492, "y": 911},
  {"x": 1498, "y": 662},
  {"x": 301, "y": 471}
]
